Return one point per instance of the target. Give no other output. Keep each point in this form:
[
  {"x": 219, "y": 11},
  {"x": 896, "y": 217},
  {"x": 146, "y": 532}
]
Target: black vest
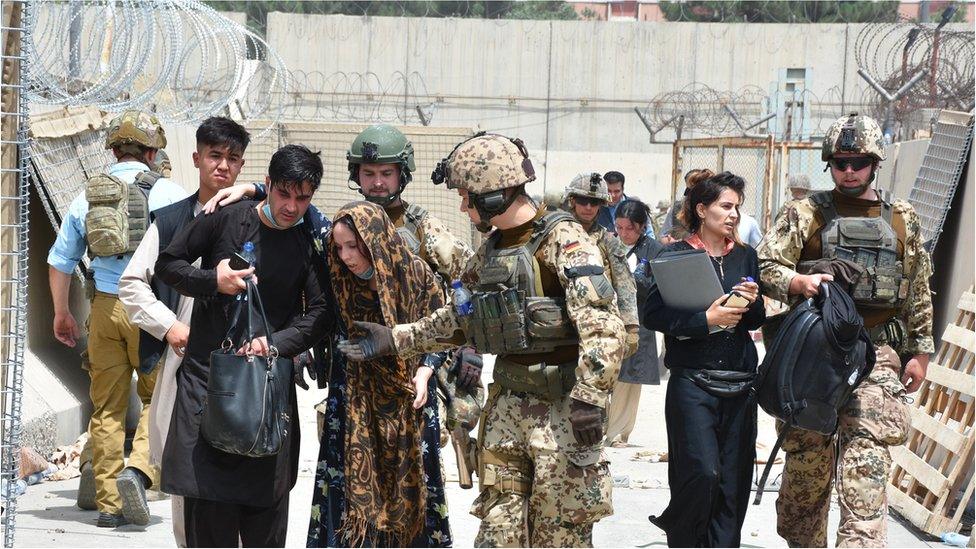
[{"x": 169, "y": 221}]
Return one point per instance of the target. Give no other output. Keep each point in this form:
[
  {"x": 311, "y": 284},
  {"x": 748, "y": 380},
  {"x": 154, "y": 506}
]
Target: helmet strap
[
  {"x": 855, "y": 192},
  {"x": 381, "y": 201},
  {"x": 493, "y": 203}
]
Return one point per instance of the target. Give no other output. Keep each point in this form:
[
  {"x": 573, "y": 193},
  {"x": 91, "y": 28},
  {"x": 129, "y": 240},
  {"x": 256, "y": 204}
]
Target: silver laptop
[{"x": 686, "y": 279}]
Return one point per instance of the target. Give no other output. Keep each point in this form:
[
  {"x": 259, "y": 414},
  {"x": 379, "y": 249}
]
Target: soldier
[
  {"x": 799, "y": 186},
  {"x": 542, "y": 302},
  {"x": 587, "y": 194},
  {"x": 127, "y": 192},
  {"x": 893, "y": 298},
  {"x": 658, "y": 217}
]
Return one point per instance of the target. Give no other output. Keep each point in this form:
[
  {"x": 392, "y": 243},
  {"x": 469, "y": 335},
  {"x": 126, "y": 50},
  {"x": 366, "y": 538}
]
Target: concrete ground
[{"x": 47, "y": 516}]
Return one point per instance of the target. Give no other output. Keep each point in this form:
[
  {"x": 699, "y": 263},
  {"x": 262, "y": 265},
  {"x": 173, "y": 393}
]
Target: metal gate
[{"x": 765, "y": 165}]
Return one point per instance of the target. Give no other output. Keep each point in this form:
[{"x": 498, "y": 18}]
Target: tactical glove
[
  {"x": 469, "y": 366},
  {"x": 378, "y": 342},
  {"x": 587, "y": 421}
]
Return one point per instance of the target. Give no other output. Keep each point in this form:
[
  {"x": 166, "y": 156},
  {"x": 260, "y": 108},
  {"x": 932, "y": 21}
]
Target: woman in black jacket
[
  {"x": 711, "y": 433},
  {"x": 630, "y": 222}
]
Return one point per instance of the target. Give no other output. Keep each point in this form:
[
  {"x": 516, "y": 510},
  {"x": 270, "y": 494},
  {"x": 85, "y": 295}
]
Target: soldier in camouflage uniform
[
  {"x": 542, "y": 302},
  {"x": 893, "y": 298},
  {"x": 587, "y": 193}
]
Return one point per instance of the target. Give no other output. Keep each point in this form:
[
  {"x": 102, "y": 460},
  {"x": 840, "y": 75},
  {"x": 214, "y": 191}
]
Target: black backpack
[{"x": 821, "y": 353}]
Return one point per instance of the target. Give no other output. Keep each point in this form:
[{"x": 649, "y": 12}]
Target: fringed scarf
[{"x": 385, "y": 488}]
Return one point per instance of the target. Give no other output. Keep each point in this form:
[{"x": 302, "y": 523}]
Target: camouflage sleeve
[
  {"x": 917, "y": 311},
  {"x": 592, "y": 306},
  {"x": 435, "y": 332},
  {"x": 447, "y": 253},
  {"x": 780, "y": 250}
]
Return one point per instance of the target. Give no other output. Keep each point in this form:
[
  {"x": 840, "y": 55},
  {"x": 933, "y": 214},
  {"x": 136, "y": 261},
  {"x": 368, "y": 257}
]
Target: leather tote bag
[{"x": 247, "y": 407}]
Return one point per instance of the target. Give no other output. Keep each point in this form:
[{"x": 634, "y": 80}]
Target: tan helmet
[
  {"x": 800, "y": 181},
  {"x": 590, "y": 185},
  {"x": 135, "y": 128},
  {"x": 854, "y": 133},
  {"x": 485, "y": 163}
]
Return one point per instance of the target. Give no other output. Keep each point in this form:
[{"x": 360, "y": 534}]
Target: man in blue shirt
[
  {"x": 113, "y": 342},
  {"x": 615, "y": 186}
]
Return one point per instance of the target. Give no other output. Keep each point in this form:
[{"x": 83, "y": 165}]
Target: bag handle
[{"x": 255, "y": 315}]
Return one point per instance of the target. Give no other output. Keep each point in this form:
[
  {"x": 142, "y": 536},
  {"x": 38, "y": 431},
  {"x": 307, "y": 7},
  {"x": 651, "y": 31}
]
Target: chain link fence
[{"x": 765, "y": 165}]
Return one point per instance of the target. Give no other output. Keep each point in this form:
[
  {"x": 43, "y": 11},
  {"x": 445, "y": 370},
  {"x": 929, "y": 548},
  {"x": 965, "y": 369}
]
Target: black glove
[
  {"x": 378, "y": 342},
  {"x": 469, "y": 365},
  {"x": 304, "y": 362},
  {"x": 587, "y": 421}
]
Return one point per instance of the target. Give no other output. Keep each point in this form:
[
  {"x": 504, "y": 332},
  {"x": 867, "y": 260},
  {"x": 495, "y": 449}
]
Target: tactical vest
[
  {"x": 512, "y": 316},
  {"x": 872, "y": 243},
  {"x": 118, "y": 213},
  {"x": 410, "y": 231}
]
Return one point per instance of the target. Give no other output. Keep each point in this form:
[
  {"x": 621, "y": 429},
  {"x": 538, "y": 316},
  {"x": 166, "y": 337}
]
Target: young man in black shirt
[{"x": 230, "y": 497}]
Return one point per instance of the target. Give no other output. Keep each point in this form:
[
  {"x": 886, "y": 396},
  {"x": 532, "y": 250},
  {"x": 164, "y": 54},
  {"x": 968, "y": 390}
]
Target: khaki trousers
[{"x": 113, "y": 353}]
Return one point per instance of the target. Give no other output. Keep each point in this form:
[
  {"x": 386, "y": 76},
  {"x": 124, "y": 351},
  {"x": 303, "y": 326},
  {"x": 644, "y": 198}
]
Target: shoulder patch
[{"x": 571, "y": 246}]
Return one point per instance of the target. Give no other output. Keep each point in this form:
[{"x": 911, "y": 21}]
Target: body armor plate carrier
[
  {"x": 511, "y": 313},
  {"x": 872, "y": 243},
  {"x": 118, "y": 213},
  {"x": 410, "y": 231}
]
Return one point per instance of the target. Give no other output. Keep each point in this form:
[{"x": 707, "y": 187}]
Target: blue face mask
[
  {"x": 367, "y": 274},
  {"x": 266, "y": 209}
]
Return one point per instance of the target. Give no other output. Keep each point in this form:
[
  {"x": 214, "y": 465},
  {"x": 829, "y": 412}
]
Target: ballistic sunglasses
[
  {"x": 854, "y": 162},
  {"x": 588, "y": 201}
]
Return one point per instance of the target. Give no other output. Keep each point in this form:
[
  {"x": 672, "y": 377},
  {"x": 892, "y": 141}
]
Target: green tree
[{"x": 800, "y": 11}]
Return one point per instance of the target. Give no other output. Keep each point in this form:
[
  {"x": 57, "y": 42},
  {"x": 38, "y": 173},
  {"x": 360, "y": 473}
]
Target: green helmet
[
  {"x": 590, "y": 185},
  {"x": 382, "y": 144},
  {"x": 135, "y": 128},
  {"x": 854, "y": 133}
]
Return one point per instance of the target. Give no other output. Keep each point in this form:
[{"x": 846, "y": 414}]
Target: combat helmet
[
  {"x": 590, "y": 185},
  {"x": 800, "y": 181},
  {"x": 485, "y": 165},
  {"x": 134, "y": 129},
  {"x": 854, "y": 133},
  {"x": 382, "y": 144}
]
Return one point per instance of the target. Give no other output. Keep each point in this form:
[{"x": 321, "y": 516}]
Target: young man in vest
[
  {"x": 892, "y": 295},
  {"x": 157, "y": 309},
  {"x": 110, "y": 230},
  {"x": 543, "y": 474}
]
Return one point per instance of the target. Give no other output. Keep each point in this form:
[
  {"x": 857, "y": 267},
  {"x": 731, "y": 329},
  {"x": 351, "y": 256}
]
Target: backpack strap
[
  {"x": 887, "y": 208},
  {"x": 769, "y": 463},
  {"x": 145, "y": 180}
]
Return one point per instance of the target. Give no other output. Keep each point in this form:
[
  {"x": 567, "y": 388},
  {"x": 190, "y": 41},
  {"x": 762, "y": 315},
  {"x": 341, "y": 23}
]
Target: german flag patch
[{"x": 571, "y": 246}]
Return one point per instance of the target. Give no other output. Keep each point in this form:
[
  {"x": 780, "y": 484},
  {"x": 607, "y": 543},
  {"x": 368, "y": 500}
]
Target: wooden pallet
[{"x": 935, "y": 461}]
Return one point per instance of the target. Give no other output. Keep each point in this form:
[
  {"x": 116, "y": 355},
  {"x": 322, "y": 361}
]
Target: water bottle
[
  {"x": 462, "y": 299},
  {"x": 642, "y": 268},
  {"x": 954, "y": 539},
  {"x": 247, "y": 252}
]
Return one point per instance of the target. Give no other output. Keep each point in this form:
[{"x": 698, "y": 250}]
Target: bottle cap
[
  {"x": 248, "y": 246},
  {"x": 456, "y": 284}
]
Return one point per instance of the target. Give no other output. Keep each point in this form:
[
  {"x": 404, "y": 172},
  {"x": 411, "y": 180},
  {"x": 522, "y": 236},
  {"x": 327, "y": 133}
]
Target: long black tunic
[
  {"x": 642, "y": 366},
  {"x": 298, "y": 316}
]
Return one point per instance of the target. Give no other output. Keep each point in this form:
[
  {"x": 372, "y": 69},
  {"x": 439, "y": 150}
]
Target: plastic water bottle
[
  {"x": 462, "y": 299},
  {"x": 247, "y": 252},
  {"x": 642, "y": 268},
  {"x": 954, "y": 539}
]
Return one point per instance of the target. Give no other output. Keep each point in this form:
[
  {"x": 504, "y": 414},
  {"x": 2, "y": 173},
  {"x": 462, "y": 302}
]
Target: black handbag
[{"x": 247, "y": 407}]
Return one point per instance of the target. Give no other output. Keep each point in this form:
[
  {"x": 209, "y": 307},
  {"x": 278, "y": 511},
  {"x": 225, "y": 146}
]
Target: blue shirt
[
  {"x": 608, "y": 213},
  {"x": 70, "y": 245}
]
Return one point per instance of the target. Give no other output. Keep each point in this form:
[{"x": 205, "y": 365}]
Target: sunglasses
[
  {"x": 587, "y": 201},
  {"x": 855, "y": 163}
]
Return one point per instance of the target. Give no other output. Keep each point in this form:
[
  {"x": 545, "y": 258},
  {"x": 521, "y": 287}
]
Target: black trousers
[
  {"x": 220, "y": 524},
  {"x": 711, "y": 453}
]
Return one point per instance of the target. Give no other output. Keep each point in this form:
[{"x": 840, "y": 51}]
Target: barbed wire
[
  {"x": 179, "y": 58},
  {"x": 893, "y": 54}
]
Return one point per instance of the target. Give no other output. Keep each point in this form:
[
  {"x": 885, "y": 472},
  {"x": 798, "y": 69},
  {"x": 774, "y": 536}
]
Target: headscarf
[{"x": 385, "y": 488}]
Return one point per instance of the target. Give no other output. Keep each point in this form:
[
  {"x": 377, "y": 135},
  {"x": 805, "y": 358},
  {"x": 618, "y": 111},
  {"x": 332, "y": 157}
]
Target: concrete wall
[{"x": 567, "y": 88}]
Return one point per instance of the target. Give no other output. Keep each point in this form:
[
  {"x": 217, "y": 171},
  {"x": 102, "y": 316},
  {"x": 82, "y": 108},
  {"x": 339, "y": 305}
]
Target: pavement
[{"x": 47, "y": 516}]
